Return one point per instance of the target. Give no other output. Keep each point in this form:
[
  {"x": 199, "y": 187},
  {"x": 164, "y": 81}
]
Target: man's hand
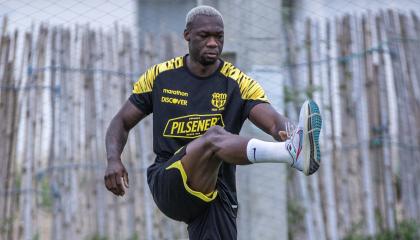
[
  {"x": 283, "y": 136},
  {"x": 116, "y": 177}
]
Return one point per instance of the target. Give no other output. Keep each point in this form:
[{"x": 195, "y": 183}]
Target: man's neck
[{"x": 201, "y": 70}]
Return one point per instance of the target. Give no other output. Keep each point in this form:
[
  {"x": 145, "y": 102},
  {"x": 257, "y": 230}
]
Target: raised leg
[{"x": 205, "y": 155}]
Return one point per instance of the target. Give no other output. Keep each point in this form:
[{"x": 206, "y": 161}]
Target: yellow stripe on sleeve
[
  {"x": 249, "y": 88},
  {"x": 145, "y": 82}
]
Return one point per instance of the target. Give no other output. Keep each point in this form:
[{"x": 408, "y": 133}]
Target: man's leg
[{"x": 205, "y": 155}]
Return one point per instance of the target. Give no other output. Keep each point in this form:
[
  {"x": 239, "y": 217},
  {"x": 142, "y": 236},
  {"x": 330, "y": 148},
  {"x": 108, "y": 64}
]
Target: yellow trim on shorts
[{"x": 205, "y": 197}]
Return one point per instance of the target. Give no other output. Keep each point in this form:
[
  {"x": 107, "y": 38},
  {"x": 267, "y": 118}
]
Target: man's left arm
[{"x": 265, "y": 117}]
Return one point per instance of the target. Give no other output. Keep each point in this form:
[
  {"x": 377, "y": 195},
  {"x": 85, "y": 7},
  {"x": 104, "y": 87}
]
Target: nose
[{"x": 212, "y": 43}]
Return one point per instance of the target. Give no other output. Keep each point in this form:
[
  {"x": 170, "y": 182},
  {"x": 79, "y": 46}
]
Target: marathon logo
[
  {"x": 191, "y": 126},
  {"x": 175, "y": 92}
]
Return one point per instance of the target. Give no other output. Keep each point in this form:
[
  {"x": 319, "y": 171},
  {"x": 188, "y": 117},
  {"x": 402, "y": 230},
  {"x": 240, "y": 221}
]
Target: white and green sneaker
[{"x": 303, "y": 144}]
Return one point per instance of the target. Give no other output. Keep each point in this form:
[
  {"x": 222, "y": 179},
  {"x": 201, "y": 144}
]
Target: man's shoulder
[
  {"x": 171, "y": 64},
  {"x": 249, "y": 88},
  {"x": 231, "y": 71},
  {"x": 146, "y": 81}
]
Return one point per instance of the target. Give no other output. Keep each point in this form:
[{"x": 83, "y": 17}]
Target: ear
[{"x": 187, "y": 34}]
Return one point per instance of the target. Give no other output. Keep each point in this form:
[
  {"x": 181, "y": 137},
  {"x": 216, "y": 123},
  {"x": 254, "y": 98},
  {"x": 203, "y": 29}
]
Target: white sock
[{"x": 267, "y": 152}]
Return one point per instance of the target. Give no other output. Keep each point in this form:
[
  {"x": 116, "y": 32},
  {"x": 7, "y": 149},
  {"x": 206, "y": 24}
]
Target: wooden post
[
  {"x": 315, "y": 83},
  {"x": 399, "y": 72},
  {"x": 385, "y": 109},
  {"x": 373, "y": 116},
  {"x": 413, "y": 99},
  {"x": 363, "y": 138},
  {"x": 328, "y": 139},
  {"x": 414, "y": 31},
  {"x": 342, "y": 42}
]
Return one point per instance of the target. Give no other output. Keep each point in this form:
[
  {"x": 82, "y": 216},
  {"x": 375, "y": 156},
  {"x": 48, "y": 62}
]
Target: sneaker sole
[{"x": 312, "y": 130}]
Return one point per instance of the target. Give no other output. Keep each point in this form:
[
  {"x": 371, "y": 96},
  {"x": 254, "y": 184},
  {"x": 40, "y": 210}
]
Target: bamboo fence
[
  {"x": 61, "y": 86},
  {"x": 363, "y": 69}
]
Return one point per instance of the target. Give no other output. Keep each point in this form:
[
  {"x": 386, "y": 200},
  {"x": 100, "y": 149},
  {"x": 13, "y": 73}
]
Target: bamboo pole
[
  {"x": 101, "y": 91},
  {"x": 12, "y": 121},
  {"x": 40, "y": 89},
  {"x": 29, "y": 158},
  {"x": 363, "y": 139},
  {"x": 399, "y": 72},
  {"x": 131, "y": 193},
  {"x": 3, "y": 39},
  {"x": 17, "y": 203},
  {"x": 292, "y": 53},
  {"x": 52, "y": 159},
  {"x": 376, "y": 127},
  {"x": 110, "y": 90},
  {"x": 144, "y": 154},
  {"x": 373, "y": 116},
  {"x": 6, "y": 110},
  {"x": 414, "y": 31},
  {"x": 116, "y": 92},
  {"x": 13, "y": 199},
  {"x": 71, "y": 183},
  {"x": 413, "y": 101},
  {"x": 304, "y": 76},
  {"x": 328, "y": 140},
  {"x": 385, "y": 111},
  {"x": 63, "y": 134},
  {"x": 92, "y": 116},
  {"x": 4, "y": 125},
  {"x": 78, "y": 137},
  {"x": 94, "y": 222},
  {"x": 342, "y": 41},
  {"x": 314, "y": 84}
]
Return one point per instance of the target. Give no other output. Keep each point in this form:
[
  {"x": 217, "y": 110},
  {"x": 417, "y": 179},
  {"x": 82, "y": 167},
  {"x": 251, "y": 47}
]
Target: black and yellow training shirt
[{"x": 185, "y": 106}]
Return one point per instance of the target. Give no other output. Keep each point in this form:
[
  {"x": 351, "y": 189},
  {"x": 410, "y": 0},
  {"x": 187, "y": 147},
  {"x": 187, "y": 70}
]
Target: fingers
[
  {"x": 283, "y": 135},
  {"x": 108, "y": 184},
  {"x": 118, "y": 181},
  {"x": 114, "y": 182},
  {"x": 125, "y": 178}
]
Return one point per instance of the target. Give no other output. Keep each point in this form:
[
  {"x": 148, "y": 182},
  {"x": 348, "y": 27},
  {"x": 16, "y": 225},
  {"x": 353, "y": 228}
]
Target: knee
[
  {"x": 214, "y": 136},
  {"x": 215, "y": 130}
]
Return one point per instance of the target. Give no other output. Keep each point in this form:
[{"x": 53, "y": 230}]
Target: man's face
[{"x": 205, "y": 39}]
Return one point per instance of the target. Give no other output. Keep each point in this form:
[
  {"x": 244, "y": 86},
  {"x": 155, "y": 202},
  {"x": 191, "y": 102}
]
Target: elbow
[{"x": 116, "y": 126}]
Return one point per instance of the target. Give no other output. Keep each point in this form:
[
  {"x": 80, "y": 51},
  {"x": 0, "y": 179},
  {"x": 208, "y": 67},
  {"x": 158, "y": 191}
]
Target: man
[{"x": 199, "y": 103}]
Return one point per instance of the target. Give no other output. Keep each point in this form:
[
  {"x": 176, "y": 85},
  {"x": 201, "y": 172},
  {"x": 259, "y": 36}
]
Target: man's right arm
[{"x": 115, "y": 140}]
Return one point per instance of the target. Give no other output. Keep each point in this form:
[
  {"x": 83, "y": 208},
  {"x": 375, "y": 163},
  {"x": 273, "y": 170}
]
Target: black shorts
[{"x": 211, "y": 216}]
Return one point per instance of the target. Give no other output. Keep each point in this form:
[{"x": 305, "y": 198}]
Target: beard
[
  {"x": 196, "y": 54},
  {"x": 207, "y": 61}
]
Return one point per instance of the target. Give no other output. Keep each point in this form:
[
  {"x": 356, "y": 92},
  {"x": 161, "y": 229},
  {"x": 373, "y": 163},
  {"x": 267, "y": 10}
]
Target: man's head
[{"x": 204, "y": 33}]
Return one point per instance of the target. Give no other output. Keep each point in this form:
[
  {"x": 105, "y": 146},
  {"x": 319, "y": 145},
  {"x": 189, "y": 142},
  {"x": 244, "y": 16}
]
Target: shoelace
[{"x": 290, "y": 128}]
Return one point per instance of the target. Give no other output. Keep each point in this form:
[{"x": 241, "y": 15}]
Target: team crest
[{"x": 218, "y": 101}]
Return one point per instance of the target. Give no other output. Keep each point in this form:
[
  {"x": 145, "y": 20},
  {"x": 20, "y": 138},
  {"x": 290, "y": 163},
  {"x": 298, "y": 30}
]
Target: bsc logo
[{"x": 218, "y": 101}]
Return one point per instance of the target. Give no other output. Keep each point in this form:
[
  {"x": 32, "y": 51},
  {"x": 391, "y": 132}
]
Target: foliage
[
  {"x": 134, "y": 237},
  {"x": 46, "y": 195},
  {"x": 295, "y": 214},
  {"x": 406, "y": 230},
  {"x": 36, "y": 236},
  {"x": 295, "y": 95},
  {"x": 97, "y": 237}
]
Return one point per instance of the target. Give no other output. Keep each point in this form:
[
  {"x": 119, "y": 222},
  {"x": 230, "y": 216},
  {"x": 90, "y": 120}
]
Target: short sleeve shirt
[{"x": 185, "y": 106}]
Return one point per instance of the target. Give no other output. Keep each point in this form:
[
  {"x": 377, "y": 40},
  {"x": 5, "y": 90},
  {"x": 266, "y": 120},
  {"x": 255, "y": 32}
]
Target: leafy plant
[
  {"x": 406, "y": 230},
  {"x": 295, "y": 214}
]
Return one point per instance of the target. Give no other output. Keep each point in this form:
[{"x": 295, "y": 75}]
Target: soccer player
[{"x": 199, "y": 103}]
